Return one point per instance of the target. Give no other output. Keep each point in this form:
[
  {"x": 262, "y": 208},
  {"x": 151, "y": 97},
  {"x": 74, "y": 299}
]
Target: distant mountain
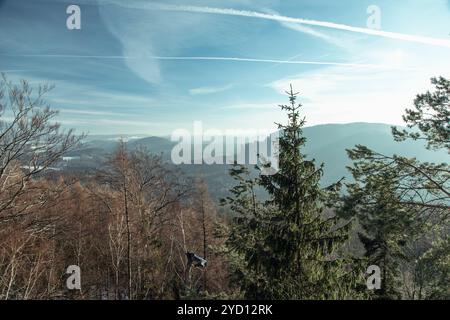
[
  {"x": 325, "y": 143},
  {"x": 156, "y": 145}
]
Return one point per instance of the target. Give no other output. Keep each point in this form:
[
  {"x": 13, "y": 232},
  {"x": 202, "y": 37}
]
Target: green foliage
[
  {"x": 246, "y": 238},
  {"x": 286, "y": 247},
  {"x": 431, "y": 116},
  {"x": 398, "y": 201},
  {"x": 433, "y": 271},
  {"x": 386, "y": 225}
]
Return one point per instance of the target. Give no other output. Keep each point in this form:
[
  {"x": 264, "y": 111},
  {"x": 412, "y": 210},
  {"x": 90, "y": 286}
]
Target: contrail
[
  {"x": 280, "y": 18},
  {"x": 206, "y": 58}
]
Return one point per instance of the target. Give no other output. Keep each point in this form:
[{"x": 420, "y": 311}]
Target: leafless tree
[{"x": 30, "y": 141}]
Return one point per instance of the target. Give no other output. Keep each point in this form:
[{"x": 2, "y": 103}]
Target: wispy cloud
[
  {"x": 90, "y": 112},
  {"x": 314, "y": 33},
  {"x": 248, "y": 106},
  {"x": 342, "y": 95},
  {"x": 209, "y": 90},
  {"x": 131, "y": 123},
  {"x": 339, "y": 42},
  {"x": 72, "y": 122},
  {"x": 90, "y": 98},
  {"x": 286, "y": 19},
  {"x": 206, "y": 58},
  {"x": 135, "y": 33}
]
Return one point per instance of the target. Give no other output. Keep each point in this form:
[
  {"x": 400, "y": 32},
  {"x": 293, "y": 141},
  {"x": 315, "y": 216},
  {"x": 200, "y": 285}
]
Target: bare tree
[{"x": 30, "y": 142}]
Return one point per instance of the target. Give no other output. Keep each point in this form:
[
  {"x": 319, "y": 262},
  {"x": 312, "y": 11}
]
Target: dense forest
[{"x": 140, "y": 229}]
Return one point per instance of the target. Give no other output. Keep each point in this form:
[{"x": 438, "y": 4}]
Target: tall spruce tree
[
  {"x": 286, "y": 246},
  {"x": 245, "y": 245}
]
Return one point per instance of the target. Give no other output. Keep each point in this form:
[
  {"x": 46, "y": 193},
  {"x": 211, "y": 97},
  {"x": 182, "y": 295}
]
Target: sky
[{"x": 151, "y": 67}]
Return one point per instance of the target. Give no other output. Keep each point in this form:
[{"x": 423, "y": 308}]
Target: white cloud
[
  {"x": 341, "y": 42},
  {"x": 90, "y": 112},
  {"x": 211, "y": 58},
  {"x": 145, "y": 35},
  {"x": 135, "y": 34},
  {"x": 131, "y": 123},
  {"x": 298, "y": 27},
  {"x": 342, "y": 95},
  {"x": 286, "y": 19},
  {"x": 209, "y": 90},
  {"x": 249, "y": 106}
]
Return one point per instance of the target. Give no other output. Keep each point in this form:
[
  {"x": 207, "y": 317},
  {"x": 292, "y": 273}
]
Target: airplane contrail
[
  {"x": 280, "y": 18},
  {"x": 205, "y": 58}
]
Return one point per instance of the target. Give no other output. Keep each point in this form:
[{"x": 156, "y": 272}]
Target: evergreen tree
[
  {"x": 431, "y": 116},
  {"x": 399, "y": 200},
  {"x": 246, "y": 237},
  {"x": 287, "y": 246},
  {"x": 386, "y": 224},
  {"x": 432, "y": 274}
]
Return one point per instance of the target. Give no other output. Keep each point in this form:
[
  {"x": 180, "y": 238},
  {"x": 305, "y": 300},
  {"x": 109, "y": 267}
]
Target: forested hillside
[{"x": 140, "y": 227}]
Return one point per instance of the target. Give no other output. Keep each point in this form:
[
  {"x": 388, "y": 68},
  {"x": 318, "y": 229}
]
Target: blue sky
[{"x": 150, "y": 67}]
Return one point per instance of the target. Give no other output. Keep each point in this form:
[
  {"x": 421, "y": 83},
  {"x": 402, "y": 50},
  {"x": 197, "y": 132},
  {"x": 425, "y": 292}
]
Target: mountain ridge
[{"x": 325, "y": 143}]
